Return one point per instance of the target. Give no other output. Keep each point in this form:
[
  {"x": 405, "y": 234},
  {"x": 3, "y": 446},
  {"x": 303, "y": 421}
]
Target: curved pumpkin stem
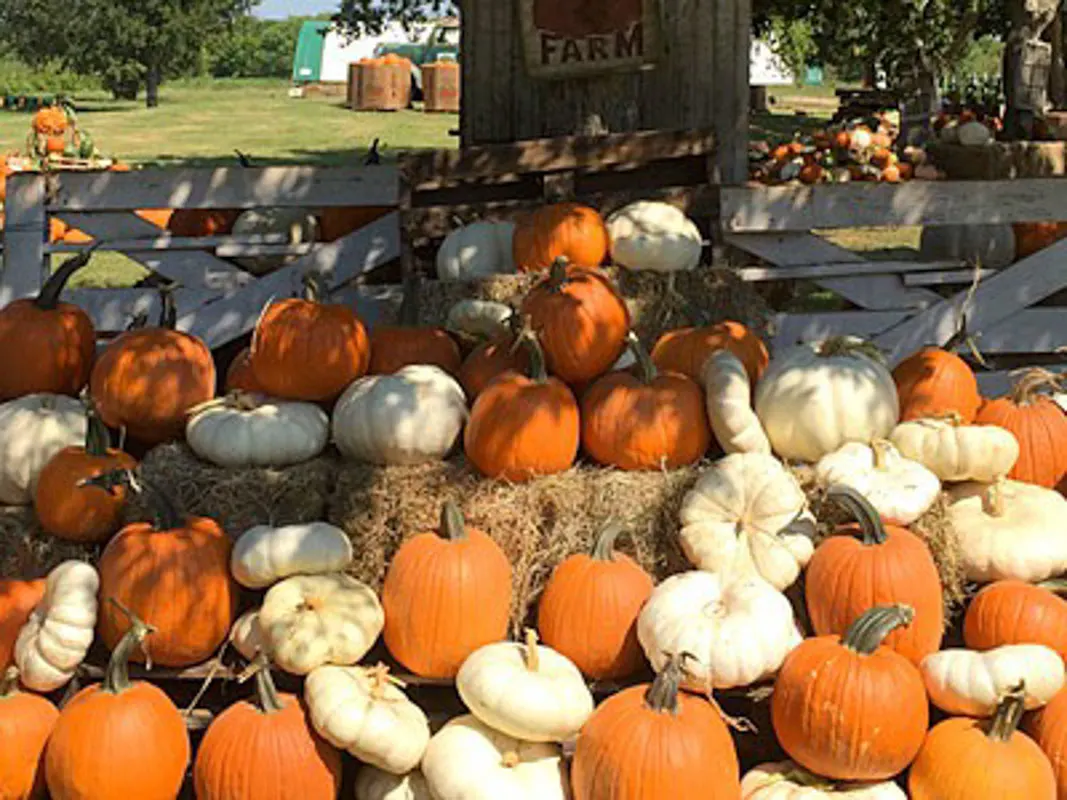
[
  {"x": 168, "y": 314},
  {"x": 849, "y": 346},
  {"x": 861, "y": 510},
  {"x": 48, "y": 298},
  {"x": 557, "y": 274},
  {"x": 452, "y": 524},
  {"x": 314, "y": 287},
  {"x": 117, "y": 676},
  {"x": 97, "y": 436},
  {"x": 881, "y": 448},
  {"x": 165, "y": 514},
  {"x": 537, "y": 371},
  {"x": 1008, "y": 714},
  {"x": 533, "y": 658},
  {"x": 266, "y": 691},
  {"x": 646, "y": 367},
  {"x": 867, "y": 633},
  {"x": 662, "y": 695},
  {"x": 1032, "y": 383},
  {"x": 9, "y": 682},
  {"x": 604, "y": 546}
]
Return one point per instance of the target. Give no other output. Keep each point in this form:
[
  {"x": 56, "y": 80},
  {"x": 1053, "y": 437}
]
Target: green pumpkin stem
[
  {"x": 557, "y": 274},
  {"x": 314, "y": 287},
  {"x": 165, "y": 514},
  {"x": 1008, "y": 714},
  {"x": 9, "y": 682},
  {"x": 662, "y": 695},
  {"x": 266, "y": 691},
  {"x": 97, "y": 436},
  {"x": 604, "y": 546},
  {"x": 117, "y": 676},
  {"x": 452, "y": 525},
  {"x": 860, "y": 509},
  {"x": 48, "y": 298},
  {"x": 849, "y": 346},
  {"x": 646, "y": 367},
  {"x": 537, "y": 370},
  {"x": 168, "y": 313},
  {"x": 867, "y": 633}
]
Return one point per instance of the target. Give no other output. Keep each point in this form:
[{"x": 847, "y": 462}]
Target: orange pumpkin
[
  {"x": 148, "y": 379},
  {"x": 26, "y": 722},
  {"x": 71, "y": 510},
  {"x": 446, "y": 593},
  {"x": 1031, "y": 237},
  {"x": 336, "y": 223},
  {"x": 55, "y": 144},
  {"x": 934, "y": 383},
  {"x": 240, "y": 376},
  {"x": 891, "y": 173},
  {"x": 869, "y": 563},
  {"x": 197, "y": 222},
  {"x": 266, "y": 751},
  {"x": 581, "y": 321},
  {"x": 46, "y": 345},
  {"x": 588, "y": 610},
  {"x": 176, "y": 572},
  {"x": 1039, "y": 424},
  {"x": 849, "y": 708},
  {"x": 160, "y": 217},
  {"x": 147, "y": 746},
  {"x": 842, "y": 140},
  {"x": 1013, "y": 612},
  {"x": 810, "y": 173},
  {"x": 50, "y": 121},
  {"x": 563, "y": 230},
  {"x": 393, "y": 347},
  {"x": 489, "y": 360},
  {"x": 1048, "y": 727},
  {"x": 650, "y": 421},
  {"x": 304, "y": 349},
  {"x": 655, "y": 742},
  {"x": 523, "y": 426},
  {"x": 972, "y": 759},
  {"x": 686, "y": 349},
  {"x": 17, "y": 599}
]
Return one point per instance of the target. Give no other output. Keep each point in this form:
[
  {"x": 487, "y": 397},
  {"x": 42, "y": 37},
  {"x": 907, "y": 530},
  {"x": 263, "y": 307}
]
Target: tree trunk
[{"x": 153, "y": 77}]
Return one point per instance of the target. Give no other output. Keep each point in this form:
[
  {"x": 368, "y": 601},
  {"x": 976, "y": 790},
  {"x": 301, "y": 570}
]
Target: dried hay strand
[
  {"x": 28, "y": 552},
  {"x": 537, "y": 524},
  {"x": 237, "y": 498}
]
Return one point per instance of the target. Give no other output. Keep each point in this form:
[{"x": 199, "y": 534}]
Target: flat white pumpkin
[
  {"x": 955, "y": 452},
  {"x": 311, "y": 620},
  {"x": 786, "y": 780},
  {"x": 1009, "y": 530},
  {"x": 32, "y": 430},
  {"x": 55, "y": 639},
  {"x": 264, "y": 555},
  {"x": 528, "y": 691},
  {"x": 468, "y": 760},
  {"x": 901, "y": 490},
  {"x": 729, "y": 402},
  {"x": 747, "y": 516},
  {"x": 481, "y": 319},
  {"x": 245, "y": 430},
  {"x": 654, "y": 236},
  {"x": 363, "y": 711},
  {"x": 815, "y": 397},
  {"x": 295, "y": 225},
  {"x": 969, "y": 683},
  {"x": 245, "y": 635},
  {"x": 476, "y": 251},
  {"x": 376, "y": 784},
  {"x": 738, "y": 631},
  {"x": 410, "y": 417}
]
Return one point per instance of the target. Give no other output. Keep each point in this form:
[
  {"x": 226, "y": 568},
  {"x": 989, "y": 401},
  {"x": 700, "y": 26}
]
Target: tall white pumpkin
[
  {"x": 32, "y": 430},
  {"x": 476, "y": 251},
  {"x": 654, "y": 236}
]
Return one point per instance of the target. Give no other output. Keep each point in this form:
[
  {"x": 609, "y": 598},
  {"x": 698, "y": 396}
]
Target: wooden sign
[{"x": 568, "y": 38}]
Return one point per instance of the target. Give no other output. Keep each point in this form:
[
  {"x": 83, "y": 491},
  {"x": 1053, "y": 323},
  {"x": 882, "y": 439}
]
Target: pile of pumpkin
[{"x": 851, "y": 696}]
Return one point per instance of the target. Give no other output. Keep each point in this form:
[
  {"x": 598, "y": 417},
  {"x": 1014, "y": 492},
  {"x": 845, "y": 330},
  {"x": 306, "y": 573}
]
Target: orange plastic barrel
[{"x": 440, "y": 87}]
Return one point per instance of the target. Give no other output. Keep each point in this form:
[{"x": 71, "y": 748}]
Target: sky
[{"x": 280, "y": 9}]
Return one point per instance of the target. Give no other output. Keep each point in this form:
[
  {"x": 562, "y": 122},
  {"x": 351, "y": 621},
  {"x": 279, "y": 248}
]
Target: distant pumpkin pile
[{"x": 852, "y": 692}]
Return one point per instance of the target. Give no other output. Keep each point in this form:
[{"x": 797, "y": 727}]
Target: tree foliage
[
  {"x": 253, "y": 48},
  {"x": 360, "y": 17}
]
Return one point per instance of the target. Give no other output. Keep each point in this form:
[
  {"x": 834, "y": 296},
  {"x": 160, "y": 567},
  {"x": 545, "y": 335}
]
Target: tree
[
  {"x": 129, "y": 44},
  {"x": 359, "y": 17}
]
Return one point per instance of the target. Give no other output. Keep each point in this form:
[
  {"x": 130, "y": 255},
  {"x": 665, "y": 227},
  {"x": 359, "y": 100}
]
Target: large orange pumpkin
[
  {"x": 1048, "y": 727},
  {"x": 446, "y": 593},
  {"x": 393, "y": 347},
  {"x": 72, "y": 510},
  {"x": 337, "y": 222},
  {"x": 239, "y": 375},
  {"x": 521, "y": 427},
  {"x": 17, "y": 599},
  {"x": 870, "y": 563},
  {"x": 266, "y": 750},
  {"x": 563, "y": 230},
  {"x": 147, "y": 380},
  {"x": 1039, "y": 424},
  {"x": 46, "y": 345},
  {"x": 651, "y": 420},
  {"x": 934, "y": 382},
  {"x": 175, "y": 572},
  {"x": 304, "y": 349},
  {"x": 581, "y": 321},
  {"x": 972, "y": 759},
  {"x": 686, "y": 349},
  {"x": 120, "y": 739},
  {"x": 26, "y": 722},
  {"x": 1014, "y": 612},
  {"x": 1030, "y": 237},
  {"x": 589, "y": 609},
  {"x": 655, "y": 742},
  {"x": 849, "y": 708}
]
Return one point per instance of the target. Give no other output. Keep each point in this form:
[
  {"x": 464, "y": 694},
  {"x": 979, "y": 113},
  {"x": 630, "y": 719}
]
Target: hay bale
[
  {"x": 26, "y": 551},
  {"x": 537, "y": 524},
  {"x": 238, "y": 498}
]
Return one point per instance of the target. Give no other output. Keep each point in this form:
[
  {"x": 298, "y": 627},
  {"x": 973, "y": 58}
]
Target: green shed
[{"x": 310, "y": 44}]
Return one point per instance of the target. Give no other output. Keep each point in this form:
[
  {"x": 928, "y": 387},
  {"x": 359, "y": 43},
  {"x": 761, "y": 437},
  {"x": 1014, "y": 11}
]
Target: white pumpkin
[
  {"x": 480, "y": 319},
  {"x": 786, "y": 780},
  {"x": 969, "y": 683},
  {"x": 900, "y": 490},
  {"x": 654, "y": 236},
  {"x": 738, "y": 631},
  {"x": 476, "y": 251},
  {"x": 1009, "y": 530},
  {"x": 468, "y": 760},
  {"x": 747, "y": 517},
  {"x": 974, "y": 134},
  {"x": 363, "y": 711},
  {"x": 410, "y": 417},
  {"x": 53, "y": 642},
  {"x": 264, "y": 555},
  {"x": 245, "y": 635},
  {"x": 528, "y": 691},
  {"x": 376, "y": 784},
  {"x": 311, "y": 620},
  {"x": 246, "y": 430},
  {"x": 32, "y": 430},
  {"x": 728, "y": 395},
  {"x": 295, "y": 225},
  {"x": 956, "y": 452},
  {"x": 816, "y": 397}
]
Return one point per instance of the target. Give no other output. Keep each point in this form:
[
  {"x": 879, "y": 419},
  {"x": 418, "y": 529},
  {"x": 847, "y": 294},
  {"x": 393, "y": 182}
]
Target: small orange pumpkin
[
  {"x": 239, "y": 375},
  {"x": 934, "y": 382},
  {"x": 1031, "y": 237},
  {"x": 393, "y": 347},
  {"x": 685, "y": 350},
  {"x": 26, "y": 722},
  {"x": 489, "y": 360},
  {"x": 563, "y": 230},
  {"x": 1013, "y": 612},
  {"x": 17, "y": 599}
]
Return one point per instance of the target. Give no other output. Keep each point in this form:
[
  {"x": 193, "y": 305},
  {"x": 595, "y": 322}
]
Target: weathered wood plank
[
  {"x": 945, "y": 277},
  {"x": 999, "y": 382},
  {"x": 846, "y": 270},
  {"x": 112, "y": 309},
  {"x": 1032, "y": 330},
  {"x": 792, "y": 329},
  {"x": 25, "y": 233},
  {"x": 230, "y": 244}
]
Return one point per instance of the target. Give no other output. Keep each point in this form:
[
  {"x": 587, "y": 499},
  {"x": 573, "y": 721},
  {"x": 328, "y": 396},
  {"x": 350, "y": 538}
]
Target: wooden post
[
  {"x": 1057, "y": 84},
  {"x": 25, "y": 233}
]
